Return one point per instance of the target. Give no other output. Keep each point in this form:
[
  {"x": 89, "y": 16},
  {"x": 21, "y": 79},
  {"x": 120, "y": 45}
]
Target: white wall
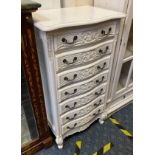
[
  {"x": 49, "y": 4},
  {"x": 71, "y": 3},
  {"x": 117, "y": 5}
]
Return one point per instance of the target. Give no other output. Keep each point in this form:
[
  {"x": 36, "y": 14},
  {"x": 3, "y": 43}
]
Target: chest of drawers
[{"x": 75, "y": 48}]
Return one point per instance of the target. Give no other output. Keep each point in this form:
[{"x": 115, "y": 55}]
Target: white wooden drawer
[
  {"x": 74, "y": 114},
  {"x": 81, "y": 57},
  {"x": 74, "y": 37},
  {"x": 81, "y": 100},
  {"x": 82, "y": 87},
  {"x": 83, "y": 120},
  {"x": 82, "y": 73}
]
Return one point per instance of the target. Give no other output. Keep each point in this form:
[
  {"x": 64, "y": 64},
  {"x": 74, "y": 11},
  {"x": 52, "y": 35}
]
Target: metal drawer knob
[
  {"x": 67, "y": 79},
  {"x": 67, "y": 93},
  {"x": 67, "y": 42},
  {"x": 68, "y": 127},
  {"x": 68, "y": 63},
  {"x": 70, "y": 108}
]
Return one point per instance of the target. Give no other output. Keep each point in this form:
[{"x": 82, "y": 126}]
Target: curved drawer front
[
  {"x": 81, "y": 100},
  {"x": 82, "y": 87},
  {"x": 66, "y": 61},
  {"x": 74, "y": 114},
  {"x": 82, "y": 121},
  {"x": 83, "y": 36},
  {"x": 82, "y": 73}
]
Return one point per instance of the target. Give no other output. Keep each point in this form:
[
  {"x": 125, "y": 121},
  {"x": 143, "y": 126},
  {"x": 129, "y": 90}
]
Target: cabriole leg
[{"x": 59, "y": 142}]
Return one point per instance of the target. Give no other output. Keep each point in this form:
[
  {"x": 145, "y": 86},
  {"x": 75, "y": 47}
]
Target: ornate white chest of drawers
[{"x": 76, "y": 48}]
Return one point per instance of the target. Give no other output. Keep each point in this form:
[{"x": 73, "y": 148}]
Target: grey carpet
[{"x": 96, "y": 136}]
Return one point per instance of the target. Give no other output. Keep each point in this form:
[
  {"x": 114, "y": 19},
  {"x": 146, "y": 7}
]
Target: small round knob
[
  {"x": 64, "y": 61},
  {"x": 66, "y": 93},
  {"x": 97, "y": 81},
  {"x": 63, "y": 39},
  {"x": 75, "y": 58},
  {"x": 75, "y": 75},
  {"x": 65, "y": 78},
  {"x": 100, "y": 51}
]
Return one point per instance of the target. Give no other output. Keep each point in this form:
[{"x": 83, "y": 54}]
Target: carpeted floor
[{"x": 96, "y": 136}]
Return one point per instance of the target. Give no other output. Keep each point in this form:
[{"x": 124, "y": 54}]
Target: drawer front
[
  {"x": 74, "y": 114},
  {"x": 81, "y": 57},
  {"x": 81, "y": 100},
  {"x": 83, "y": 36},
  {"x": 82, "y": 121},
  {"x": 82, "y": 87},
  {"x": 83, "y": 73}
]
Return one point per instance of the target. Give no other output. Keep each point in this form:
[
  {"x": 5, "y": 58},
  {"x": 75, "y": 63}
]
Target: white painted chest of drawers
[{"x": 75, "y": 49}]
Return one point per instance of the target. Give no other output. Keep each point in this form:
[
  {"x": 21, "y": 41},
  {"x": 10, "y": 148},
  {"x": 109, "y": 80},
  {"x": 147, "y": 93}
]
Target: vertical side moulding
[{"x": 129, "y": 48}]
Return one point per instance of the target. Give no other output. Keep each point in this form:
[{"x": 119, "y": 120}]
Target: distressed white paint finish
[
  {"x": 102, "y": 116},
  {"x": 122, "y": 50},
  {"x": 121, "y": 6},
  {"x": 49, "y": 82},
  {"x": 126, "y": 7},
  {"x": 84, "y": 110},
  {"x": 114, "y": 95},
  {"x": 84, "y": 98},
  {"x": 82, "y": 121},
  {"x": 47, "y": 20},
  {"x": 84, "y": 36},
  {"x": 82, "y": 73},
  {"x": 82, "y": 87},
  {"x": 119, "y": 102},
  {"x": 83, "y": 56},
  {"x": 87, "y": 71}
]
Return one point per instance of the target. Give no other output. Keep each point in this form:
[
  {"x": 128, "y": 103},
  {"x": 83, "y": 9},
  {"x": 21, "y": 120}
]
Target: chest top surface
[{"x": 53, "y": 19}]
